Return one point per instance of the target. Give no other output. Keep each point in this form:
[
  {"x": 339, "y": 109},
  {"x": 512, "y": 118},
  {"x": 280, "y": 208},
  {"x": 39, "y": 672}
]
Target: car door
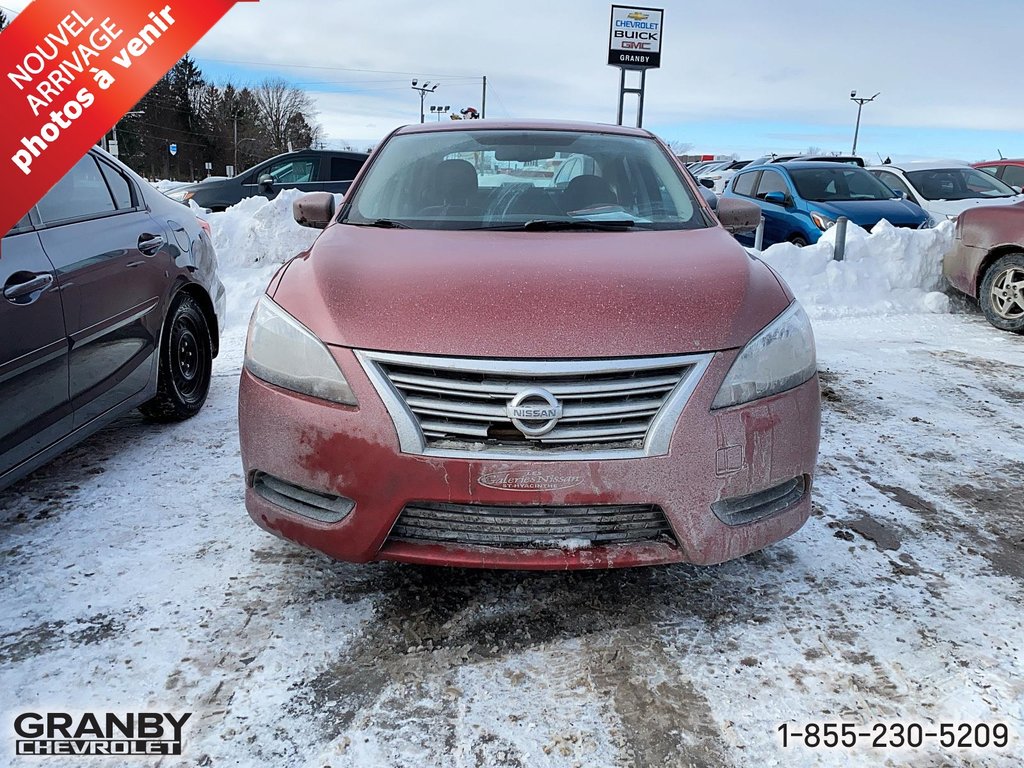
[
  {"x": 112, "y": 260},
  {"x": 778, "y": 221},
  {"x": 340, "y": 171},
  {"x": 36, "y": 409},
  {"x": 292, "y": 172},
  {"x": 743, "y": 184},
  {"x": 896, "y": 184},
  {"x": 1013, "y": 175}
]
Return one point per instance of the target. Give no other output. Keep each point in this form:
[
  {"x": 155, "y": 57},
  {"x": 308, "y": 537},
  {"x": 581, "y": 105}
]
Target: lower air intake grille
[{"x": 530, "y": 527}]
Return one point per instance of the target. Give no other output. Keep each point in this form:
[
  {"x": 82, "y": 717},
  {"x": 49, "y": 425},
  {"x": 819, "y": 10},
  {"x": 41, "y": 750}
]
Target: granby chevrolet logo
[{"x": 131, "y": 733}]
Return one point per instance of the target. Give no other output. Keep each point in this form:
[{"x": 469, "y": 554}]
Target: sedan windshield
[
  {"x": 958, "y": 184},
  {"x": 824, "y": 185},
  {"x": 523, "y": 179}
]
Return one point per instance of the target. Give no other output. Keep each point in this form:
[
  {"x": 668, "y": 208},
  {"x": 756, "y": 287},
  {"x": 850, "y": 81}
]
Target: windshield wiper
[
  {"x": 553, "y": 225},
  {"x": 381, "y": 223}
]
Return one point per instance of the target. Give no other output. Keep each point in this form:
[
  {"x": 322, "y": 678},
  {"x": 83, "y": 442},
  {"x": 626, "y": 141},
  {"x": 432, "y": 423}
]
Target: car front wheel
[
  {"x": 1002, "y": 293},
  {"x": 186, "y": 360}
]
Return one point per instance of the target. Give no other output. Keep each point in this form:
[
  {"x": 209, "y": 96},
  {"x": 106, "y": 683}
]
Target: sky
[{"x": 744, "y": 77}]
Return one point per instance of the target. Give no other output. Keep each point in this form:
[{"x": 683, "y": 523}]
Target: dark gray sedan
[{"x": 110, "y": 302}]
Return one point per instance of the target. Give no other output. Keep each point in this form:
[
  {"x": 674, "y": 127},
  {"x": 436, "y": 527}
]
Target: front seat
[
  {"x": 588, "y": 191},
  {"x": 454, "y": 188}
]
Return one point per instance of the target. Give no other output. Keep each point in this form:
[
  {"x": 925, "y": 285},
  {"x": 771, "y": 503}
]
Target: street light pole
[
  {"x": 423, "y": 90},
  {"x": 860, "y": 105}
]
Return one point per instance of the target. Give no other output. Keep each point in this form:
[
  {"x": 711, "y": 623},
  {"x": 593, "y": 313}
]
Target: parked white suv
[{"x": 945, "y": 188}]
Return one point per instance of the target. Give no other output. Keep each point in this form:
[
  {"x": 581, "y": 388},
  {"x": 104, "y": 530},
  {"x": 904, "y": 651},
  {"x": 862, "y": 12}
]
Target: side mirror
[
  {"x": 708, "y": 183},
  {"x": 778, "y": 198},
  {"x": 900, "y": 194},
  {"x": 314, "y": 209},
  {"x": 738, "y": 216},
  {"x": 266, "y": 182},
  {"x": 1020, "y": 190}
]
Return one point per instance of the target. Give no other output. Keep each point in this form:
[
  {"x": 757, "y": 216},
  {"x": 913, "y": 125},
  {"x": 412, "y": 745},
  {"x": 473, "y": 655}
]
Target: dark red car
[
  {"x": 987, "y": 262},
  {"x": 476, "y": 366},
  {"x": 1008, "y": 171}
]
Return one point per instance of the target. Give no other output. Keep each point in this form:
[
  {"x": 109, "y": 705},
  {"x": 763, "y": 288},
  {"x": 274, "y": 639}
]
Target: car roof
[
  {"x": 522, "y": 125},
  {"x": 922, "y": 165},
  {"x": 1000, "y": 161},
  {"x": 795, "y": 164},
  {"x": 345, "y": 152}
]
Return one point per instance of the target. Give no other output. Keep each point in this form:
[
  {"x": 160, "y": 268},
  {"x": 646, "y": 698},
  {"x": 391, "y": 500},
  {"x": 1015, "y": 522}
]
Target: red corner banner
[{"x": 70, "y": 69}]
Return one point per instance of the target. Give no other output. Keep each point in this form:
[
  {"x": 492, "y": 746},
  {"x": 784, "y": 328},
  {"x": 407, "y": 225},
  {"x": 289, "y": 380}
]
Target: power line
[{"x": 266, "y": 65}]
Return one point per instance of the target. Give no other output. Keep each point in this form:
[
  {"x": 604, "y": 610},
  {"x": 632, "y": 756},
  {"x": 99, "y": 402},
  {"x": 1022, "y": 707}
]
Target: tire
[
  {"x": 1001, "y": 295},
  {"x": 798, "y": 241},
  {"x": 186, "y": 362}
]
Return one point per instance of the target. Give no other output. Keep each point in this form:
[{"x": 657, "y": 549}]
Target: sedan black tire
[
  {"x": 798, "y": 241},
  {"x": 186, "y": 361},
  {"x": 1001, "y": 295}
]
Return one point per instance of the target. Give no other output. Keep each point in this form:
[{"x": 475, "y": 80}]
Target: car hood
[
  {"x": 867, "y": 213},
  {"x": 956, "y": 207},
  {"x": 530, "y": 294}
]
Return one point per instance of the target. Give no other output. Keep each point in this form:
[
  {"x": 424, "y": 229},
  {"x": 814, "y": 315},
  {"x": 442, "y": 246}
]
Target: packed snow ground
[{"x": 131, "y": 577}]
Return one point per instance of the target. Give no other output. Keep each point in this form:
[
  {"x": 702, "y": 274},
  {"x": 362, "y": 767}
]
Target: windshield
[
  {"x": 508, "y": 179},
  {"x": 958, "y": 184},
  {"x": 827, "y": 185}
]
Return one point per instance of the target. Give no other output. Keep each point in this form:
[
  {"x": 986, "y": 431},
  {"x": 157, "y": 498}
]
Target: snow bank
[
  {"x": 252, "y": 239},
  {"x": 889, "y": 271}
]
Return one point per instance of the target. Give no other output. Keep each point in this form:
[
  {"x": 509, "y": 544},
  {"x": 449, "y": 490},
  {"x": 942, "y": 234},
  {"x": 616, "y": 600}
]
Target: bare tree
[
  {"x": 287, "y": 113},
  {"x": 3, "y": 20},
  {"x": 680, "y": 147}
]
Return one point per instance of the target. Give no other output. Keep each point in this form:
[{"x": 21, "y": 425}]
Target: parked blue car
[{"x": 800, "y": 200}]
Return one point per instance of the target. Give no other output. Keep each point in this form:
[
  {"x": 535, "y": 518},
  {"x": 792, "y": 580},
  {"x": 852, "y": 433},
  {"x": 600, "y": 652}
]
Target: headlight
[
  {"x": 822, "y": 222},
  {"x": 282, "y": 351},
  {"x": 778, "y": 358}
]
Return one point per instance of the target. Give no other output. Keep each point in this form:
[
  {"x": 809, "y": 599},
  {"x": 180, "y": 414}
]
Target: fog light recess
[
  {"x": 323, "y": 507},
  {"x": 763, "y": 504}
]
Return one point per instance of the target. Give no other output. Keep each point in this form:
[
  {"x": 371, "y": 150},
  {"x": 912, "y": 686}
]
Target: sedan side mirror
[
  {"x": 900, "y": 194},
  {"x": 708, "y": 183},
  {"x": 266, "y": 182},
  {"x": 738, "y": 216},
  {"x": 779, "y": 198},
  {"x": 314, "y": 209}
]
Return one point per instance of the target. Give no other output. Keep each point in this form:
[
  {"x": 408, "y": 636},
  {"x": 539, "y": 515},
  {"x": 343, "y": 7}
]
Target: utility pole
[
  {"x": 423, "y": 90},
  {"x": 860, "y": 105},
  {"x": 483, "y": 100}
]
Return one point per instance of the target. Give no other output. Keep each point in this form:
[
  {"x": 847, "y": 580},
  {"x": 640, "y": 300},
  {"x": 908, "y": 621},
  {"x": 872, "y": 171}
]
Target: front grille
[
  {"x": 528, "y": 527},
  {"x": 459, "y": 406}
]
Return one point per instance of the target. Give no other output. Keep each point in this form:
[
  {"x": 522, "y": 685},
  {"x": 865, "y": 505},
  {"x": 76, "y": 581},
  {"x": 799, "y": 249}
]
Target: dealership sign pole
[{"x": 634, "y": 42}]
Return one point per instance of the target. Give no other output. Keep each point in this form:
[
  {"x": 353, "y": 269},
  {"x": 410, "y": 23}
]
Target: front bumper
[{"x": 354, "y": 453}]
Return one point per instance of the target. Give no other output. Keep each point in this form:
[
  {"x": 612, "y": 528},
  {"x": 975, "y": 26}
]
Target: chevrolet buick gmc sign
[{"x": 635, "y": 37}]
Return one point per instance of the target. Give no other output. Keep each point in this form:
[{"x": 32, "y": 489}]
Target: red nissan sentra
[{"x": 528, "y": 345}]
